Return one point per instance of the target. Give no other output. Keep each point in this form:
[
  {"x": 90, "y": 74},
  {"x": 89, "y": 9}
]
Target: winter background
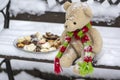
[{"x": 102, "y": 12}]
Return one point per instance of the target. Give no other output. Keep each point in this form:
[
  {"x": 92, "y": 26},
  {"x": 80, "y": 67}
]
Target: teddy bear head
[{"x": 77, "y": 15}]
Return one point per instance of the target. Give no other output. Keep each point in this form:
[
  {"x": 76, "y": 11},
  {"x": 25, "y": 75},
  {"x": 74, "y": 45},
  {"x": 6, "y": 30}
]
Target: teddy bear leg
[
  {"x": 68, "y": 57},
  {"x": 76, "y": 66},
  {"x": 80, "y": 60}
]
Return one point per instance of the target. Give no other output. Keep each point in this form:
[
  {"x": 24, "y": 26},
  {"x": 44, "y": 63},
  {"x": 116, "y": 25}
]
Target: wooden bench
[{"x": 54, "y": 17}]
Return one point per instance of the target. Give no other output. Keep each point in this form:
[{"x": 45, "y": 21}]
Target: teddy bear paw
[
  {"x": 76, "y": 66},
  {"x": 76, "y": 69}
]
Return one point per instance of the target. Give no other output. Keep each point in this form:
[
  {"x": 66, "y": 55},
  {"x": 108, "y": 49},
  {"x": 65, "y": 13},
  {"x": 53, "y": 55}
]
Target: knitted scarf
[{"x": 85, "y": 67}]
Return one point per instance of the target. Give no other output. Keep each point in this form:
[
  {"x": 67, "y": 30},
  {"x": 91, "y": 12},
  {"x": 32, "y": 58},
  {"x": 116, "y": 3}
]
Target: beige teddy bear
[{"x": 78, "y": 15}]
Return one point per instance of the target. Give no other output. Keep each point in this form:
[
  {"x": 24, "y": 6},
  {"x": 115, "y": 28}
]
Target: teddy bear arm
[
  {"x": 62, "y": 38},
  {"x": 68, "y": 57},
  {"x": 96, "y": 39},
  {"x": 77, "y": 46}
]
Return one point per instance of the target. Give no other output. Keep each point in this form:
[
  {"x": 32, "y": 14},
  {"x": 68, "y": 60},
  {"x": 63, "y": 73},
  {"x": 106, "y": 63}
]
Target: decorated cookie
[
  {"x": 20, "y": 45},
  {"x": 20, "y": 39},
  {"x": 39, "y": 36},
  {"x": 50, "y": 36},
  {"x": 46, "y": 45},
  {"x": 28, "y": 38},
  {"x": 42, "y": 41},
  {"x": 30, "y": 47},
  {"x": 44, "y": 50},
  {"x": 52, "y": 48}
]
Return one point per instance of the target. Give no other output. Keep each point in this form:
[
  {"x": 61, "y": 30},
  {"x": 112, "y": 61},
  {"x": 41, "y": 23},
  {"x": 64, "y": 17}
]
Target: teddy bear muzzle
[
  {"x": 70, "y": 28},
  {"x": 66, "y": 26}
]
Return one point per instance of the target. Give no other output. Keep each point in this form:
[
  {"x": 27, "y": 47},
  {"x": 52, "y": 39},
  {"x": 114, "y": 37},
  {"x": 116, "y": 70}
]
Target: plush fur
[{"x": 77, "y": 16}]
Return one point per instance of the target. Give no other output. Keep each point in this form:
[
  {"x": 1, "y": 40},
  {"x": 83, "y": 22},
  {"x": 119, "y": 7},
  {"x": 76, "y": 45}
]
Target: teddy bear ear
[
  {"x": 88, "y": 11},
  {"x": 66, "y": 5}
]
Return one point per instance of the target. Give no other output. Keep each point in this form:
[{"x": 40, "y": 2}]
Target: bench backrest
[{"x": 59, "y": 17}]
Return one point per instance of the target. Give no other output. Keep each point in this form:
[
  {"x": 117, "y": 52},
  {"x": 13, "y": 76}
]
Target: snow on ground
[
  {"x": 108, "y": 56},
  {"x": 102, "y": 12}
]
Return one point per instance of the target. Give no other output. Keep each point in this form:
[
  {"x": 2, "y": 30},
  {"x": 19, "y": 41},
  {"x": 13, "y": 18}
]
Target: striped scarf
[{"x": 85, "y": 67}]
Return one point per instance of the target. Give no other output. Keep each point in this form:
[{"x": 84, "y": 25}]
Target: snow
[
  {"x": 102, "y": 12},
  {"x": 106, "y": 74},
  {"x": 54, "y": 6},
  {"x": 3, "y": 76},
  {"x": 46, "y": 67},
  {"x": 111, "y": 47},
  {"x": 75, "y": 0},
  {"x": 27, "y": 6},
  {"x": 114, "y": 1},
  {"x": 3, "y": 3},
  {"x": 51, "y": 3},
  {"x": 26, "y": 77},
  {"x": 1, "y": 21},
  {"x": 37, "y": 7}
]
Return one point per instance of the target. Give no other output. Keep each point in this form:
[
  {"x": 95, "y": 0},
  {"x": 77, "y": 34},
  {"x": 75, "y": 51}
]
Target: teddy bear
[{"x": 80, "y": 41}]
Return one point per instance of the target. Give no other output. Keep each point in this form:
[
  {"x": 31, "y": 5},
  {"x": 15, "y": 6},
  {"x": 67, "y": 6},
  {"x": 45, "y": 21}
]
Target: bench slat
[{"x": 58, "y": 17}]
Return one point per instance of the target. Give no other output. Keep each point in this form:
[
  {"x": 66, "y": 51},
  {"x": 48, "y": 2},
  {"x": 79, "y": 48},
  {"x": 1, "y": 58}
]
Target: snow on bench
[
  {"x": 104, "y": 11},
  {"x": 109, "y": 55}
]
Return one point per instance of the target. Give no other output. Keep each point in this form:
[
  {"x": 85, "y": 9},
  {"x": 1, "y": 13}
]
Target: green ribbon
[{"x": 85, "y": 68}]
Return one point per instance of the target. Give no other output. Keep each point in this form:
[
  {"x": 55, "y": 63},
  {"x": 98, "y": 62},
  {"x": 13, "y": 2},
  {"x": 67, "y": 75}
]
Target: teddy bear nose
[{"x": 66, "y": 26}]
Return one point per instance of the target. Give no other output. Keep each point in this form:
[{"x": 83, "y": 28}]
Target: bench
[{"x": 57, "y": 18}]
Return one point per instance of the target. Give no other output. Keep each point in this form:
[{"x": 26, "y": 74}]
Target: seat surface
[
  {"x": 8, "y": 37},
  {"x": 108, "y": 56}
]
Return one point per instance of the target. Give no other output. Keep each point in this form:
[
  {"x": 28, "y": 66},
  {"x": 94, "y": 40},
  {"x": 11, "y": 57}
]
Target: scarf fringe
[{"x": 57, "y": 67}]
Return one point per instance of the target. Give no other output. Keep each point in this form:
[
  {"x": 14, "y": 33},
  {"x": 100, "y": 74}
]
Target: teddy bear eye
[{"x": 74, "y": 23}]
